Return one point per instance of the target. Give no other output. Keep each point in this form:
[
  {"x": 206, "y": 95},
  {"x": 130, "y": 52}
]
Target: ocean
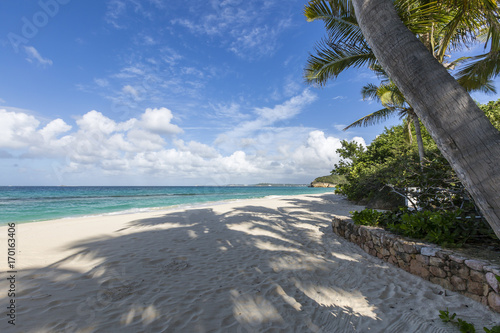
[{"x": 23, "y": 204}]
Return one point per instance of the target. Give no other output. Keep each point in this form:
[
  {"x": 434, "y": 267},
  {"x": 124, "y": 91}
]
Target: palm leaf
[
  {"x": 369, "y": 92},
  {"x": 480, "y": 72},
  {"x": 338, "y": 16},
  {"x": 372, "y": 119},
  {"x": 332, "y": 59}
]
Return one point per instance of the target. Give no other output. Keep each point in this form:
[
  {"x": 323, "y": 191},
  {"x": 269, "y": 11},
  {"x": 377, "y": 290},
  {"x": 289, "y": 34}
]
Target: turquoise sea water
[{"x": 38, "y": 203}]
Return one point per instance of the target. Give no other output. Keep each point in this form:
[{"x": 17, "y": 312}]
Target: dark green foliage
[
  {"x": 463, "y": 326},
  {"x": 331, "y": 179},
  {"x": 386, "y": 169},
  {"x": 492, "y": 111},
  {"x": 439, "y": 228},
  {"x": 445, "y": 228},
  {"x": 369, "y": 170},
  {"x": 387, "y": 174},
  {"x": 445, "y": 316},
  {"x": 368, "y": 217}
]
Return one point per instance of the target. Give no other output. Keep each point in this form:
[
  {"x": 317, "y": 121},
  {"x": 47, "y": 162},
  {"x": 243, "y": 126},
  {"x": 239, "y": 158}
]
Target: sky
[{"x": 169, "y": 92}]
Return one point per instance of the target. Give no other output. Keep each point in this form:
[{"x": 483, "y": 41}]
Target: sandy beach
[{"x": 258, "y": 265}]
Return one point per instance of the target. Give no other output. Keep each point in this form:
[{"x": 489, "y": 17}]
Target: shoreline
[
  {"x": 160, "y": 209},
  {"x": 253, "y": 265},
  {"x": 141, "y": 208}
]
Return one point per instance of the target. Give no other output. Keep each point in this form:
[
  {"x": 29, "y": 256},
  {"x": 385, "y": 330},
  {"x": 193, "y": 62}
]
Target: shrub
[
  {"x": 368, "y": 217},
  {"x": 446, "y": 228}
]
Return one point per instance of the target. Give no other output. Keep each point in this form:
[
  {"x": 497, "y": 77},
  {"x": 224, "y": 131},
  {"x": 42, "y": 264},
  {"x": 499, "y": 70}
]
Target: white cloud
[
  {"x": 287, "y": 110},
  {"x": 231, "y": 112},
  {"x": 95, "y": 121},
  {"x": 143, "y": 140},
  {"x": 101, "y": 82},
  {"x": 129, "y": 90},
  {"x": 144, "y": 147},
  {"x": 116, "y": 9},
  {"x": 18, "y": 129},
  {"x": 318, "y": 151},
  {"x": 158, "y": 120},
  {"x": 197, "y": 148},
  {"x": 247, "y": 31},
  {"x": 35, "y": 57},
  {"x": 266, "y": 117},
  {"x": 54, "y": 128}
]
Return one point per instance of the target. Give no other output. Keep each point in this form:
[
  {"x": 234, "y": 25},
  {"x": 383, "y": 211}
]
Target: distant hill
[{"x": 328, "y": 181}]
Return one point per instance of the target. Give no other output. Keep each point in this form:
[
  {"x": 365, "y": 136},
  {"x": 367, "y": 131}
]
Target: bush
[
  {"x": 368, "y": 217},
  {"x": 439, "y": 228},
  {"x": 448, "y": 228}
]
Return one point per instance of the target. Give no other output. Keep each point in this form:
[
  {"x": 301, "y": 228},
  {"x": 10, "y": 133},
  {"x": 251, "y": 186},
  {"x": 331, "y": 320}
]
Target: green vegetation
[
  {"x": 447, "y": 228},
  {"x": 353, "y": 38},
  {"x": 463, "y": 326},
  {"x": 492, "y": 111},
  {"x": 331, "y": 179},
  {"x": 387, "y": 174}
]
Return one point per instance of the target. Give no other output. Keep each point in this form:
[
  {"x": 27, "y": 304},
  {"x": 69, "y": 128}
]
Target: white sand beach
[{"x": 259, "y": 265}]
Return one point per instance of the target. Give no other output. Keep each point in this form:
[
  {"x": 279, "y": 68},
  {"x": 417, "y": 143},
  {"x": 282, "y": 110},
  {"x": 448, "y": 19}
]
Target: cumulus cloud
[
  {"x": 147, "y": 146},
  {"x": 158, "y": 120},
  {"x": 18, "y": 129},
  {"x": 54, "y": 129}
]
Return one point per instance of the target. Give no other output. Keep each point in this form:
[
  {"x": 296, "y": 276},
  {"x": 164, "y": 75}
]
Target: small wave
[{"x": 83, "y": 197}]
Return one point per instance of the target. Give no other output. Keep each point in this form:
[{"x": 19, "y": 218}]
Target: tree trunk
[
  {"x": 461, "y": 130},
  {"x": 418, "y": 134}
]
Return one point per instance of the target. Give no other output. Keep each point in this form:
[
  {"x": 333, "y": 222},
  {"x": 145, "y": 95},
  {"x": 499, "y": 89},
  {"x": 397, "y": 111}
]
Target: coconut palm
[
  {"x": 394, "y": 102},
  {"x": 460, "y": 129},
  {"x": 346, "y": 47},
  {"x": 358, "y": 30},
  {"x": 442, "y": 27}
]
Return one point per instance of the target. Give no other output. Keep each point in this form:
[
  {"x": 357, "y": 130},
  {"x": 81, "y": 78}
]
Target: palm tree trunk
[
  {"x": 408, "y": 128},
  {"x": 461, "y": 130},
  {"x": 418, "y": 134}
]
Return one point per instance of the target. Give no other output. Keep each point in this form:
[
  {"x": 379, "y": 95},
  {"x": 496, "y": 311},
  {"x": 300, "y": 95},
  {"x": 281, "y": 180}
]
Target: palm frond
[
  {"x": 369, "y": 92},
  {"x": 372, "y": 119},
  {"x": 332, "y": 59},
  {"x": 418, "y": 16},
  {"x": 380, "y": 72},
  {"x": 390, "y": 96},
  {"x": 480, "y": 72},
  {"x": 469, "y": 17},
  {"x": 338, "y": 16}
]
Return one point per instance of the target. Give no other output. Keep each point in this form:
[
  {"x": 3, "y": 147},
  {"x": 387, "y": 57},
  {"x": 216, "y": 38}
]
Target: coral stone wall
[{"x": 473, "y": 278}]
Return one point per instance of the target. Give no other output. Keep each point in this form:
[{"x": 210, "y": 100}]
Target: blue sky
[{"x": 152, "y": 92}]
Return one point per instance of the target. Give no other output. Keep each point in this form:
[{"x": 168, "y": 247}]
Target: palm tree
[
  {"x": 460, "y": 129},
  {"x": 444, "y": 112},
  {"x": 394, "y": 102}
]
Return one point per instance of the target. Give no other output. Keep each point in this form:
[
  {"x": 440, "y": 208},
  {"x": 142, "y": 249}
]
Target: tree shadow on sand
[{"x": 249, "y": 269}]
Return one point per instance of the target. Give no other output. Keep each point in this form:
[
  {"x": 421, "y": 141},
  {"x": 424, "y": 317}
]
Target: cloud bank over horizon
[{"x": 150, "y": 149}]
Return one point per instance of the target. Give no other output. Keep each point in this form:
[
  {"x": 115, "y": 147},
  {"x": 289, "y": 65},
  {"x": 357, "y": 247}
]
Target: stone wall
[{"x": 472, "y": 278}]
